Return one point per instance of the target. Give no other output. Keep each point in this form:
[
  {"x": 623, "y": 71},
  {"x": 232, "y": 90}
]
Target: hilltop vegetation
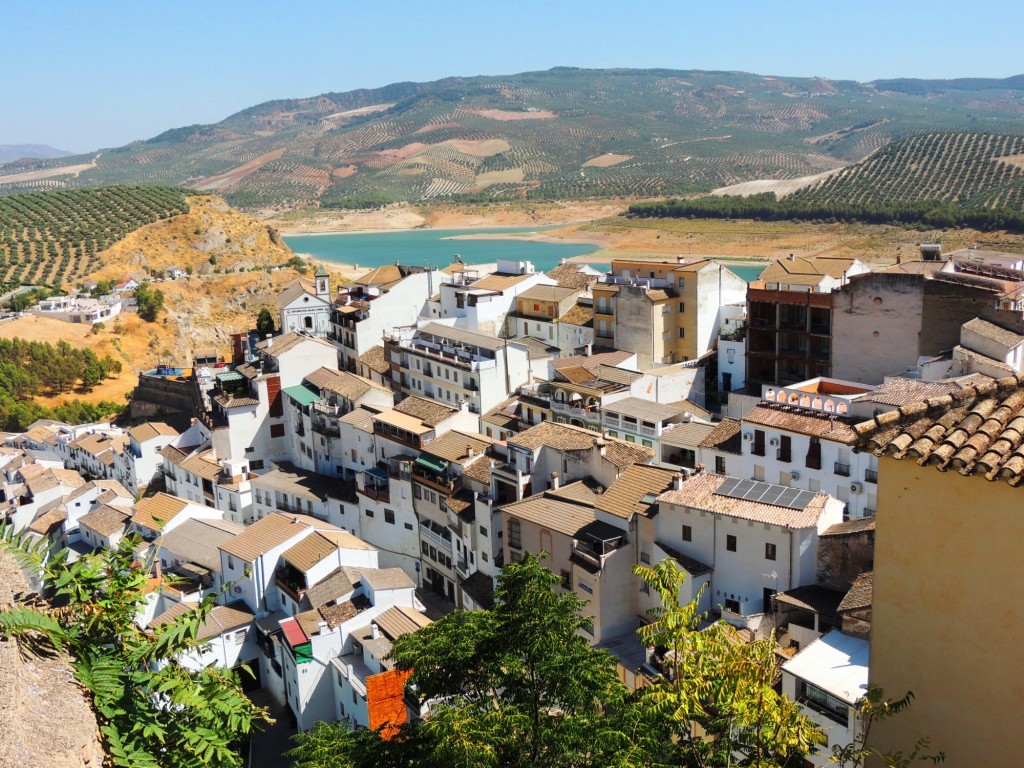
[
  {"x": 565, "y": 133},
  {"x": 974, "y": 170},
  {"x": 935, "y": 180},
  {"x": 52, "y": 238}
]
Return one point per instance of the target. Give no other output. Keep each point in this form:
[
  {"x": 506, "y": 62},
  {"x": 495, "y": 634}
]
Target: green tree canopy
[
  {"x": 265, "y": 321},
  {"x": 152, "y": 711},
  {"x": 149, "y": 301}
]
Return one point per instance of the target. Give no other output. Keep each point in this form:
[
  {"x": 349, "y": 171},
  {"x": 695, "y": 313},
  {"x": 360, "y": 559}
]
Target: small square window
[
  {"x": 389, "y": 516},
  {"x": 730, "y": 543},
  {"x": 687, "y": 533},
  {"x": 369, "y": 513},
  {"x": 769, "y": 551},
  {"x": 408, "y": 526}
]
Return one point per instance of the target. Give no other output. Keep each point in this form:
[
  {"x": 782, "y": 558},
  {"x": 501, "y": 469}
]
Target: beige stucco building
[
  {"x": 665, "y": 311},
  {"x": 946, "y": 615}
]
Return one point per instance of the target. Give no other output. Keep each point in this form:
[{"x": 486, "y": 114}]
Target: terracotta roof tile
[
  {"x": 105, "y": 520},
  {"x": 977, "y": 430},
  {"x": 549, "y": 511},
  {"x": 726, "y": 438},
  {"x": 802, "y": 421},
  {"x": 698, "y": 492},
  {"x": 271, "y": 531},
  {"x": 993, "y": 332},
  {"x": 151, "y": 430},
  {"x": 635, "y": 491},
  {"x": 860, "y": 593},
  {"x": 429, "y": 412},
  {"x": 309, "y": 551},
  {"x": 578, "y": 314},
  {"x": 456, "y": 446},
  {"x": 375, "y": 359},
  {"x": 572, "y": 275},
  {"x": 156, "y": 511}
]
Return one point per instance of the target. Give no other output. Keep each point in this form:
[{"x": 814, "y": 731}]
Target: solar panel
[
  {"x": 765, "y": 493},
  {"x": 727, "y": 486}
]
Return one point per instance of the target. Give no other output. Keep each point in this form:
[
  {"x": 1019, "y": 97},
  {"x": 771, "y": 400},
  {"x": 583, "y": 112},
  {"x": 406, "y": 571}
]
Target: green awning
[
  {"x": 301, "y": 394},
  {"x": 229, "y": 376},
  {"x": 434, "y": 465}
]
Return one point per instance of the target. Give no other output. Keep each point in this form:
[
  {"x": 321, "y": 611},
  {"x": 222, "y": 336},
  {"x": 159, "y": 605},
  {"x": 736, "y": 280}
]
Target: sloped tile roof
[
  {"x": 578, "y": 314},
  {"x": 802, "y": 421},
  {"x": 993, "y": 332},
  {"x": 860, "y": 593},
  {"x": 336, "y": 584},
  {"x": 429, "y": 412},
  {"x": 375, "y": 359},
  {"x": 197, "y": 541},
  {"x": 571, "y": 275},
  {"x": 698, "y": 492},
  {"x": 272, "y": 531},
  {"x": 978, "y": 430},
  {"x": 310, "y": 551},
  {"x": 548, "y": 511},
  {"x": 857, "y": 525},
  {"x": 156, "y": 511},
  {"x": 105, "y": 520},
  {"x": 456, "y": 446},
  {"x": 151, "y": 430},
  {"x": 725, "y": 438},
  {"x": 626, "y": 496}
]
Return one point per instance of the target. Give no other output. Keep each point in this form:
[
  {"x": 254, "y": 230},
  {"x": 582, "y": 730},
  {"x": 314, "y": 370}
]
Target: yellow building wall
[{"x": 948, "y": 612}]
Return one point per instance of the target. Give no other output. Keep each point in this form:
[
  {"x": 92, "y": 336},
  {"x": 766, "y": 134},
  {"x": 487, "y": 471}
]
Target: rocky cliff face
[{"x": 46, "y": 720}]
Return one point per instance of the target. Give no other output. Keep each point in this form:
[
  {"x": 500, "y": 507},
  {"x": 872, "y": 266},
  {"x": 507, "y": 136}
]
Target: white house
[
  {"x": 481, "y": 303},
  {"x": 454, "y": 365},
  {"x": 227, "y": 636},
  {"x": 386, "y": 297},
  {"x": 756, "y": 538},
  {"x": 829, "y": 678},
  {"x": 142, "y": 461},
  {"x": 802, "y": 436},
  {"x": 305, "y": 306}
]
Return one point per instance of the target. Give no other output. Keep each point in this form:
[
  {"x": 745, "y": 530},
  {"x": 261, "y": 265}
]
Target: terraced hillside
[
  {"x": 563, "y": 133},
  {"x": 974, "y": 170},
  {"x": 49, "y": 238}
]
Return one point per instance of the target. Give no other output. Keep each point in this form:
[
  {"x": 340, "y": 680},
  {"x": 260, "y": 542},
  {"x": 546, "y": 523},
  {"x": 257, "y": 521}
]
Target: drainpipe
[{"x": 789, "y": 579}]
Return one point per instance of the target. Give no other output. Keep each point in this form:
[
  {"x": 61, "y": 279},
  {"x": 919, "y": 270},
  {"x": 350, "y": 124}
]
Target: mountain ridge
[{"x": 563, "y": 133}]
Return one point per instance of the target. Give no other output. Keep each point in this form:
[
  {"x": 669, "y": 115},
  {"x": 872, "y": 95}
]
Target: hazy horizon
[{"x": 107, "y": 73}]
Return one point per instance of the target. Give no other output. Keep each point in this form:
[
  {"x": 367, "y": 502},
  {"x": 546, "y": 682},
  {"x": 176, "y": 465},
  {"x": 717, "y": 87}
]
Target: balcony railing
[
  {"x": 871, "y": 476},
  {"x": 868, "y": 512},
  {"x": 378, "y": 493},
  {"x": 429, "y": 535},
  {"x": 842, "y": 469}
]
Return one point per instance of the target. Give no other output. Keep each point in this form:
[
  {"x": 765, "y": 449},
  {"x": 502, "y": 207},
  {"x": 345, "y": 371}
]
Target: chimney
[
  {"x": 556, "y": 481},
  {"x": 374, "y": 631},
  {"x": 792, "y": 257},
  {"x": 677, "y": 483},
  {"x": 470, "y": 453},
  {"x": 270, "y": 341},
  {"x": 588, "y": 350},
  {"x": 321, "y": 628}
]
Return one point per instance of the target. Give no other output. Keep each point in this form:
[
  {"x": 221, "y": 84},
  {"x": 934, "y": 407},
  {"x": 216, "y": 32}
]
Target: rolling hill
[
  {"x": 563, "y": 133},
  {"x": 11, "y": 152},
  {"x": 974, "y": 170}
]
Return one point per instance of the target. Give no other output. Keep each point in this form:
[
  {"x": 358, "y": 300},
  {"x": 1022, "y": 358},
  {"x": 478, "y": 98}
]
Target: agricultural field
[
  {"x": 974, "y": 170},
  {"x": 561, "y": 134},
  {"x": 54, "y": 238}
]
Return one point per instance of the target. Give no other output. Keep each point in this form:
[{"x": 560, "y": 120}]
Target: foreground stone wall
[{"x": 46, "y": 720}]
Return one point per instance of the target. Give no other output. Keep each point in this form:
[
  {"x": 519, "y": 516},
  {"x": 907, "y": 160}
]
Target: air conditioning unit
[
  {"x": 794, "y": 475},
  {"x": 774, "y": 442},
  {"x": 748, "y": 435},
  {"x": 237, "y": 590},
  {"x": 855, "y": 487}
]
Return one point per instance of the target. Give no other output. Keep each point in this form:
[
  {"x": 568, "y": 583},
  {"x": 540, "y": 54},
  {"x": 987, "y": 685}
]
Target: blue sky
[{"x": 84, "y": 75}]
